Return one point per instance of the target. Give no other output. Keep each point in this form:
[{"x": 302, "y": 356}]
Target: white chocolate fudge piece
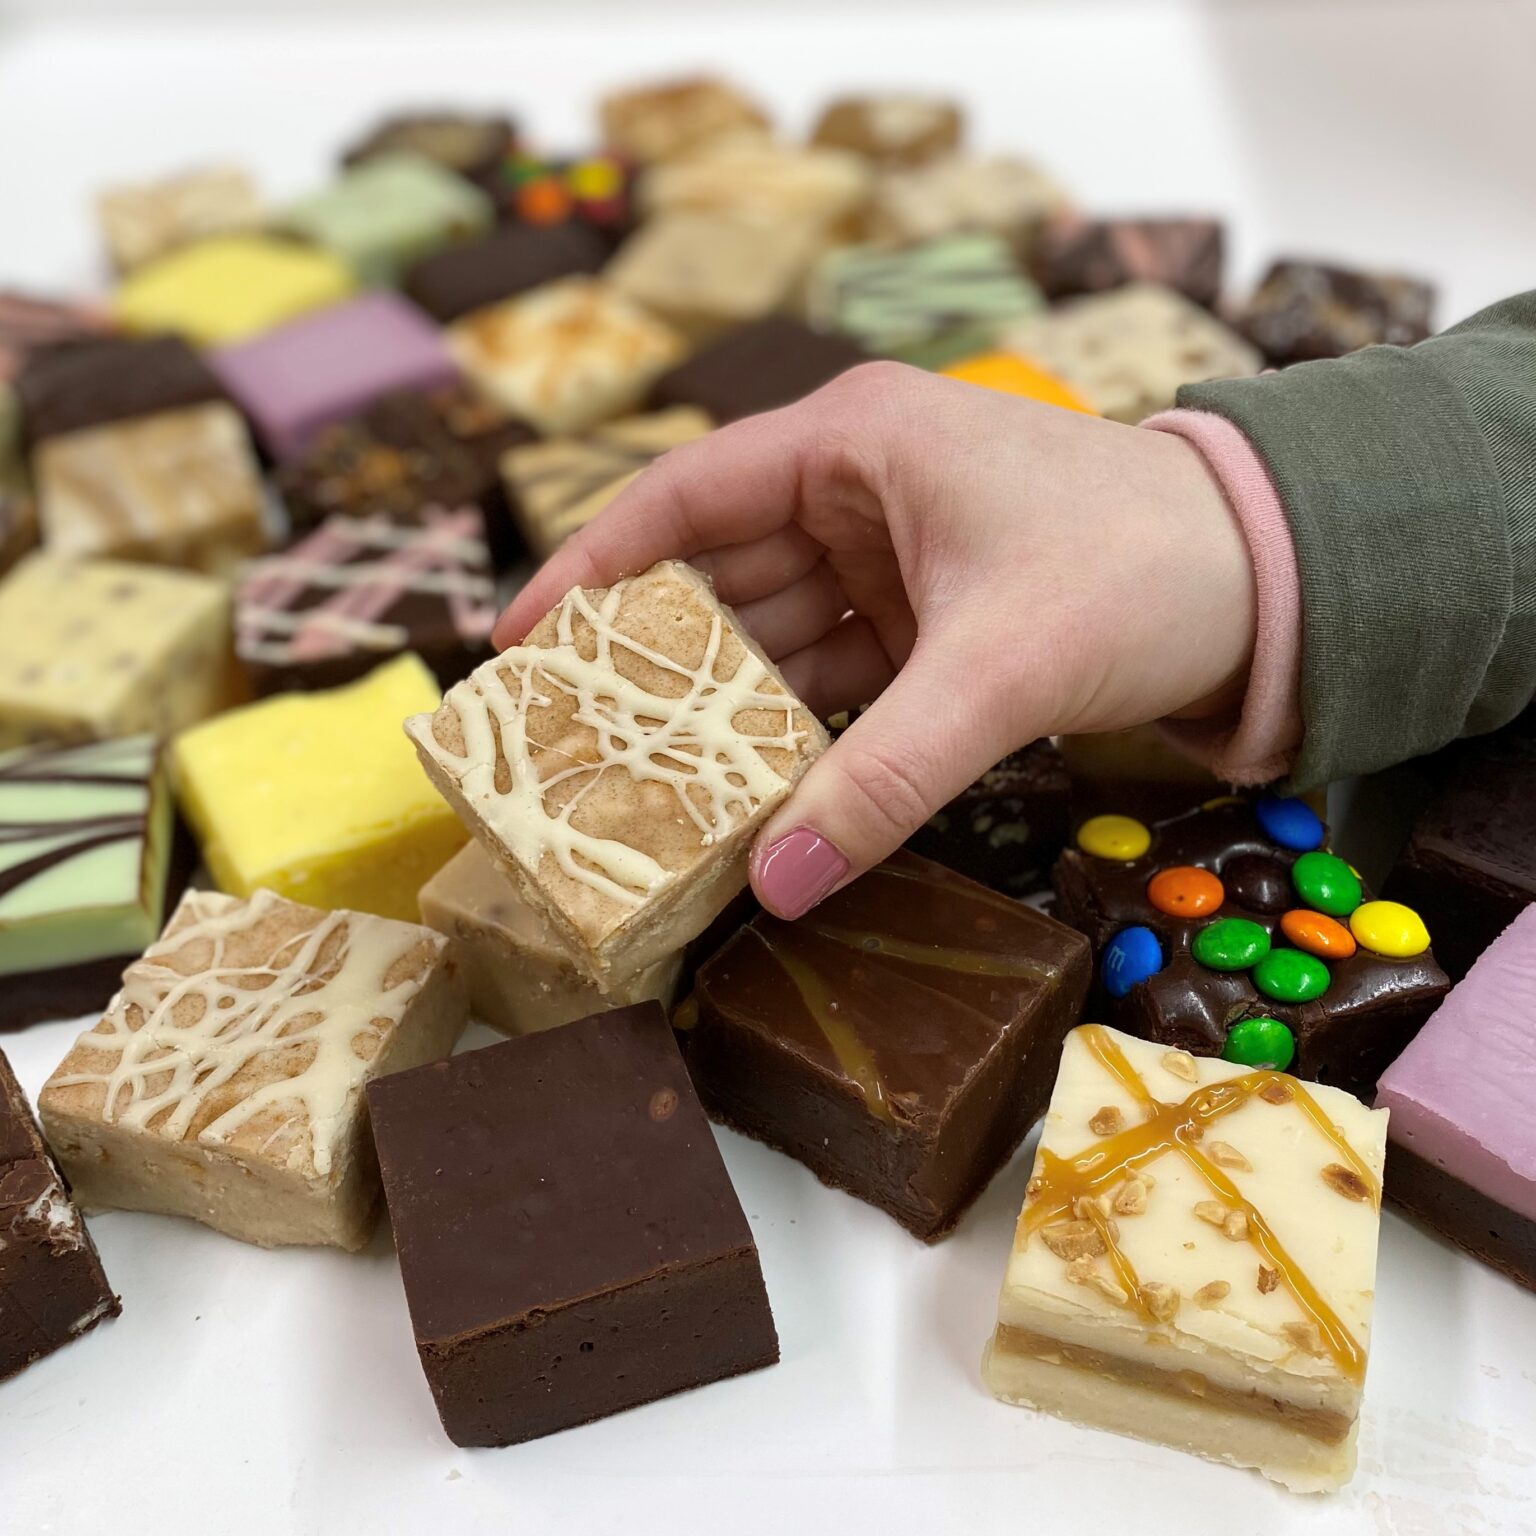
[
  {"x": 1128, "y": 352},
  {"x": 677, "y": 117},
  {"x": 1000, "y": 195},
  {"x": 618, "y": 763},
  {"x": 1195, "y": 1263},
  {"x": 891, "y": 127},
  {"x": 762, "y": 184},
  {"x": 519, "y": 976},
  {"x": 141, "y": 222},
  {"x": 226, "y": 1081}
]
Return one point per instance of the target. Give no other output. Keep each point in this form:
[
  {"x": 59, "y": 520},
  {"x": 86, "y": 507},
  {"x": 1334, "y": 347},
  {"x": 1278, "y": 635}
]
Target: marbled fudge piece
[
  {"x": 1075, "y": 254},
  {"x": 148, "y": 219},
  {"x": 31, "y": 324},
  {"x": 763, "y": 184},
  {"x": 99, "y": 648},
  {"x": 226, "y": 1080},
  {"x": 891, "y": 127},
  {"x": 1195, "y": 1263},
  {"x": 677, "y": 117},
  {"x": 1308, "y": 309},
  {"x": 618, "y": 763},
  {"x": 1000, "y": 195},
  {"x": 471, "y": 143}
]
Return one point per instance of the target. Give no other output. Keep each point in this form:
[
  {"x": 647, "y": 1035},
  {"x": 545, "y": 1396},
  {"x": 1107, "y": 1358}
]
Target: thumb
[{"x": 933, "y": 731}]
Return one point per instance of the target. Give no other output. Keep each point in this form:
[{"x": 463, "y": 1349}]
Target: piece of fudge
[
  {"x": 1128, "y": 352},
  {"x": 18, "y": 509},
  {"x": 297, "y": 380},
  {"x": 519, "y": 975},
  {"x": 1074, "y": 255},
  {"x": 316, "y": 797},
  {"x": 568, "y": 1236},
  {"x": 890, "y": 127},
  {"x": 511, "y": 260},
  {"x": 89, "y": 862},
  {"x": 618, "y": 763},
  {"x": 1461, "y": 1149},
  {"x": 470, "y": 143},
  {"x": 1010, "y": 374},
  {"x": 99, "y": 648},
  {"x": 226, "y": 1080},
  {"x": 51, "y": 1278},
  {"x": 231, "y": 288},
  {"x": 1309, "y": 309},
  {"x": 929, "y": 304},
  {"x": 1195, "y": 1263},
  {"x": 556, "y": 487},
  {"x": 594, "y": 192},
  {"x": 672, "y": 118},
  {"x": 899, "y": 1040},
  {"x": 998, "y": 195},
  {"x": 566, "y": 356},
  {"x": 764, "y": 184},
  {"x": 1232, "y": 931},
  {"x": 144, "y": 220},
  {"x": 177, "y": 488},
  {"x": 758, "y": 368},
  {"x": 31, "y": 324}
]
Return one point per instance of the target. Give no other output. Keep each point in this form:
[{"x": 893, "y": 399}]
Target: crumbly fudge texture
[
  {"x": 763, "y": 184},
  {"x": 677, "y": 117},
  {"x": 891, "y": 127},
  {"x": 1005, "y": 196},
  {"x": 142, "y": 221}
]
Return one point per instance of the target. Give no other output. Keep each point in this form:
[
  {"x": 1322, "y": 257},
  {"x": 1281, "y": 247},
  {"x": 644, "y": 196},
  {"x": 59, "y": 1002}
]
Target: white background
[{"x": 244, "y": 1391}]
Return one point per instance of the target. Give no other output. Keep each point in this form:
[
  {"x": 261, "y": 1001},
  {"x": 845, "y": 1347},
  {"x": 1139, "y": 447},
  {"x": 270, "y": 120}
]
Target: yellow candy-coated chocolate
[
  {"x": 1121, "y": 838},
  {"x": 1389, "y": 928},
  {"x": 1010, "y": 374},
  {"x": 319, "y": 796},
  {"x": 226, "y": 290}
]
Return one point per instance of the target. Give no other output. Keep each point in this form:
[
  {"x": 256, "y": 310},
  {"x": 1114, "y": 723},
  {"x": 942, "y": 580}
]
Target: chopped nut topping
[
  {"x": 1180, "y": 1064},
  {"x": 1072, "y": 1239},
  {"x": 1085, "y": 1206},
  {"x": 1107, "y": 1288},
  {"x": 1225, "y": 1155},
  {"x": 1209, "y": 1295},
  {"x": 1345, "y": 1181},
  {"x": 1079, "y": 1270},
  {"x": 1268, "y": 1279},
  {"x": 1195, "y": 1132},
  {"x": 1276, "y": 1091},
  {"x": 1107, "y": 1121},
  {"x": 1235, "y": 1227},
  {"x": 1034, "y": 1187},
  {"x": 1305, "y": 1337},
  {"x": 1162, "y": 1301},
  {"x": 1148, "y": 1180},
  {"x": 1131, "y": 1198},
  {"x": 1212, "y": 1211}
]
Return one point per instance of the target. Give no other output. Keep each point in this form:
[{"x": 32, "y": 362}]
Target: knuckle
[{"x": 886, "y": 781}]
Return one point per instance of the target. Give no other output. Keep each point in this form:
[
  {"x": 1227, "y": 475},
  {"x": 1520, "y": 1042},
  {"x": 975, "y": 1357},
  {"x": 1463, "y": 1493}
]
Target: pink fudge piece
[
  {"x": 328, "y": 366},
  {"x": 1463, "y": 1095}
]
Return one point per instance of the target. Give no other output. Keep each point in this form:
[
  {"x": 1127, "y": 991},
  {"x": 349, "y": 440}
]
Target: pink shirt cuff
[{"x": 1260, "y": 742}]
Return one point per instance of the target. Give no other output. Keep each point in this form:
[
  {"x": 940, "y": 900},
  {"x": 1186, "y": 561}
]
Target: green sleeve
[{"x": 1409, "y": 479}]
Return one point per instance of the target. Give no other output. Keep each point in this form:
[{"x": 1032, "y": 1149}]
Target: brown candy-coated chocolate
[
  {"x": 1307, "y": 309},
  {"x": 1075, "y": 255}
]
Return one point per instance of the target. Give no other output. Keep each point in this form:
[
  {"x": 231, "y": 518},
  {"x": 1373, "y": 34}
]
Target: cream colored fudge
[
  {"x": 1195, "y": 1263},
  {"x": 763, "y": 184},
  {"x": 1000, "y": 195},
  {"x": 146, "y": 220},
  {"x": 677, "y": 117},
  {"x": 520, "y": 977},
  {"x": 891, "y": 127},
  {"x": 226, "y": 1081},
  {"x": 617, "y": 764}
]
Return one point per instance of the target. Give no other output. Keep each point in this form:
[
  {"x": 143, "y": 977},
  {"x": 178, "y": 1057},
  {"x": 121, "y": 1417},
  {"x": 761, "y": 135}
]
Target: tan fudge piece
[
  {"x": 177, "y": 488},
  {"x": 1001, "y": 195},
  {"x": 143, "y": 221},
  {"x": 1195, "y": 1261},
  {"x": 226, "y": 1080},
  {"x": 519, "y": 976},
  {"x": 630, "y": 841},
  {"x": 763, "y": 184},
  {"x": 556, "y": 487},
  {"x": 677, "y": 117},
  {"x": 890, "y": 127},
  {"x": 1128, "y": 352}
]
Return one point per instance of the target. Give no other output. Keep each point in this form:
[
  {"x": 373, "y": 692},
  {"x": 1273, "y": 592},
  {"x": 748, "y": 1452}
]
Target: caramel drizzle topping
[{"x": 1061, "y": 1183}]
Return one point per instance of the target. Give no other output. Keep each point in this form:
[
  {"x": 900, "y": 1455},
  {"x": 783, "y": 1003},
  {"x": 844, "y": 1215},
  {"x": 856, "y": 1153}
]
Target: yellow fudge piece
[
  {"x": 319, "y": 797},
  {"x": 1011, "y": 375},
  {"x": 226, "y": 289}
]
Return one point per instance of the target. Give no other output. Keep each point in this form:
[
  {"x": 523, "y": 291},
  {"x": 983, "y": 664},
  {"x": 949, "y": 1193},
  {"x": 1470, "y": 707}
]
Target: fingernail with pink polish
[{"x": 797, "y": 870}]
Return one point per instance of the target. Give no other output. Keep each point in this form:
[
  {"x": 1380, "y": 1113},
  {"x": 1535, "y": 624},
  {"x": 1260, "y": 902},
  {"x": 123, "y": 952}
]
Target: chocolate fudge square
[
  {"x": 1076, "y": 255},
  {"x": 899, "y": 1040},
  {"x": 568, "y": 1236},
  {"x": 509, "y": 261},
  {"x": 1304, "y": 310}
]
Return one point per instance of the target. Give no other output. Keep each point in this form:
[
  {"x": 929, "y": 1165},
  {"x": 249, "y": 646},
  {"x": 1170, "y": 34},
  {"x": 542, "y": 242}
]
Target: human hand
[{"x": 985, "y": 569}]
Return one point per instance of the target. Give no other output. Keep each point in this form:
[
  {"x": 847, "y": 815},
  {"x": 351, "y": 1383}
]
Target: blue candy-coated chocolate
[
  {"x": 1131, "y": 956},
  {"x": 1291, "y": 823}
]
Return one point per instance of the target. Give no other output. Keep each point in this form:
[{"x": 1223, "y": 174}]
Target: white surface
[{"x": 244, "y": 1391}]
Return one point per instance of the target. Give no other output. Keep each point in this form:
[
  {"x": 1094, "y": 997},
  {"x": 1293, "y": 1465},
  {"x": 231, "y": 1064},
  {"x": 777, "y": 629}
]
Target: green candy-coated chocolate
[
  {"x": 1260, "y": 1043},
  {"x": 1326, "y": 883},
  {"x": 1230, "y": 944},
  {"x": 1289, "y": 976}
]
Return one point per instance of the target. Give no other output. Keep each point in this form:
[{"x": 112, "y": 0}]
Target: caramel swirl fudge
[
  {"x": 226, "y": 1080},
  {"x": 617, "y": 764},
  {"x": 1195, "y": 1261}
]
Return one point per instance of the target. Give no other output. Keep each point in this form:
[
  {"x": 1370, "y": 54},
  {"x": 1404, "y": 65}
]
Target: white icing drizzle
[{"x": 165, "y": 1072}]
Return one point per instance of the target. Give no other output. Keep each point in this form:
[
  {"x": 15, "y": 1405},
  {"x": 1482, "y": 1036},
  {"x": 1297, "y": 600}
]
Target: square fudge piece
[
  {"x": 1130, "y": 351},
  {"x": 763, "y": 184},
  {"x": 1076, "y": 255},
  {"x": 389, "y": 211},
  {"x": 230, "y": 288},
  {"x": 999, "y": 195},
  {"x": 226, "y": 1080},
  {"x": 99, "y": 648},
  {"x": 891, "y": 127},
  {"x": 315, "y": 796},
  {"x": 618, "y": 763},
  {"x": 595, "y": 193},
  {"x": 31, "y": 325},
  {"x": 566, "y": 356},
  {"x": 556, "y": 487},
  {"x": 1010, "y": 374},
  {"x": 1195, "y": 1263},
  {"x": 758, "y": 368},
  {"x": 89, "y": 860},
  {"x": 568, "y": 1236},
  {"x": 176, "y": 488},
  {"x": 673, "y": 118},
  {"x": 470, "y": 143},
  {"x": 18, "y": 510},
  {"x": 520, "y": 978},
  {"x": 1461, "y": 1149},
  {"x": 143, "y": 221},
  {"x": 50, "y": 1274},
  {"x": 295, "y": 381},
  {"x": 360, "y": 589},
  {"x": 512, "y": 260},
  {"x": 1307, "y": 309},
  {"x": 899, "y": 1041},
  {"x": 1232, "y": 931}
]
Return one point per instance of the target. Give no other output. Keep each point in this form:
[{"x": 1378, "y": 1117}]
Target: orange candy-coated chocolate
[
  {"x": 1318, "y": 934},
  {"x": 544, "y": 201},
  {"x": 1012, "y": 375},
  {"x": 1185, "y": 891}
]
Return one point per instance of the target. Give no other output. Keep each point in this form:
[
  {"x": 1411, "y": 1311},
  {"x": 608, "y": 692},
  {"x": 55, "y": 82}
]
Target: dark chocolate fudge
[
  {"x": 52, "y": 1287},
  {"x": 1075, "y": 255},
  {"x": 510, "y": 260},
  {"x": 569, "y": 1239},
  {"x": 899, "y": 1040},
  {"x": 1308, "y": 309}
]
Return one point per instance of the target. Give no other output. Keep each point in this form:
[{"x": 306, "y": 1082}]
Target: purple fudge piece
[
  {"x": 328, "y": 366},
  {"x": 1461, "y": 1151}
]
